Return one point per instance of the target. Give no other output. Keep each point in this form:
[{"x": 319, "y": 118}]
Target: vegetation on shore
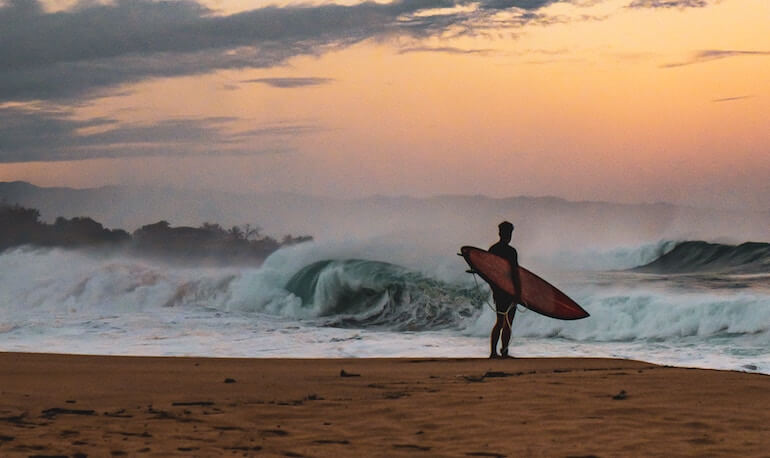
[{"x": 208, "y": 244}]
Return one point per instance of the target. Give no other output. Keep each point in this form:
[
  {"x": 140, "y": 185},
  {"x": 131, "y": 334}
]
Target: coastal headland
[{"x": 68, "y": 405}]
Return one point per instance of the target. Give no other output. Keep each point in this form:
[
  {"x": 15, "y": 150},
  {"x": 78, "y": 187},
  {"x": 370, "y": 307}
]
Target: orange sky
[{"x": 603, "y": 102}]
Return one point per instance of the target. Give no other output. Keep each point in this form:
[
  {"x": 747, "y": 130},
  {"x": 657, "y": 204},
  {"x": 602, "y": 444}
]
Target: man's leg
[
  {"x": 499, "y": 325},
  {"x": 508, "y": 322}
]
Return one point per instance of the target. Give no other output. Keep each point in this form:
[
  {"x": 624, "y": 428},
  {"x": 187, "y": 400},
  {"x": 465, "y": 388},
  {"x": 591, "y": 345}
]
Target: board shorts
[{"x": 503, "y": 302}]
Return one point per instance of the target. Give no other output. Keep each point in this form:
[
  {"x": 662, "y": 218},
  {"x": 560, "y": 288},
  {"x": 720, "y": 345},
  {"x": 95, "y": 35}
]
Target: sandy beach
[{"x": 62, "y": 405}]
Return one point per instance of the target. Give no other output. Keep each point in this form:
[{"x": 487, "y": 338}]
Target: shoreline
[
  {"x": 741, "y": 370},
  {"x": 56, "y": 404}
]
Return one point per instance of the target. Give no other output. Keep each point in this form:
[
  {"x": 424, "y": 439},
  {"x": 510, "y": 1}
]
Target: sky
[{"x": 612, "y": 100}]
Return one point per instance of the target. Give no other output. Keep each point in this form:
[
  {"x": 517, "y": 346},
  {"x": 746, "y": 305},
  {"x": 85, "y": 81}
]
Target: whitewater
[{"x": 379, "y": 299}]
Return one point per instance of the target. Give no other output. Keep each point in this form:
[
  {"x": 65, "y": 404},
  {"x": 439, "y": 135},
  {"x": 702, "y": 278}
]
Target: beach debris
[
  {"x": 243, "y": 448},
  {"x": 159, "y": 414},
  {"x": 750, "y": 367},
  {"x": 412, "y": 447},
  {"x": 494, "y": 374},
  {"x": 348, "y": 374},
  {"x": 164, "y": 415},
  {"x": 18, "y": 420},
  {"x": 620, "y": 396},
  {"x": 193, "y": 403},
  {"x": 295, "y": 402},
  {"x": 229, "y": 380},
  {"x": 228, "y": 428},
  {"x": 54, "y": 411},
  {"x": 131, "y": 434}
]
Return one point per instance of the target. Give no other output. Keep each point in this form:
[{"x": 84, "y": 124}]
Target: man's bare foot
[{"x": 494, "y": 355}]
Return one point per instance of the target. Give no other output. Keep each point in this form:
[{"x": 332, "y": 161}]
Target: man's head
[{"x": 506, "y": 230}]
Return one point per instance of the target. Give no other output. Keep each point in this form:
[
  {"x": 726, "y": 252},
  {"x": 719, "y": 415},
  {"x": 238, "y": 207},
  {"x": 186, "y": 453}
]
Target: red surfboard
[{"x": 536, "y": 294}]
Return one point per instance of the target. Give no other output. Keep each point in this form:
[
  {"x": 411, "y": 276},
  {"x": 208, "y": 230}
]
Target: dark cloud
[
  {"x": 280, "y": 129},
  {"x": 522, "y": 4},
  {"x": 285, "y": 83},
  {"x": 73, "y": 53},
  {"x": 68, "y": 57},
  {"x": 82, "y": 51},
  {"x": 668, "y": 4},
  {"x": 731, "y": 99},
  {"x": 443, "y": 49},
  {"x": 715, "y": 54},
  {"x": 28, "y": 135}
]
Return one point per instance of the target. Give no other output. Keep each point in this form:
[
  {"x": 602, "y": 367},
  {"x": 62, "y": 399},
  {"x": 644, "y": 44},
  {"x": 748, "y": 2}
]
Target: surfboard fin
[{"x": 470, "y": 271}]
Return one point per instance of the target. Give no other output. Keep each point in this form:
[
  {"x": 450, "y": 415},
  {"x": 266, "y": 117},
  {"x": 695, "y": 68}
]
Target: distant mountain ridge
[{"x": 541, "y": 222}]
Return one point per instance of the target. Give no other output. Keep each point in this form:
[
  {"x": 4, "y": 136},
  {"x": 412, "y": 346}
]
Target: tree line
[{"x": 209, "y": 243}]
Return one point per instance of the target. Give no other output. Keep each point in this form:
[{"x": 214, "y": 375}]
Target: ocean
[{"x": 694, "y": 305}]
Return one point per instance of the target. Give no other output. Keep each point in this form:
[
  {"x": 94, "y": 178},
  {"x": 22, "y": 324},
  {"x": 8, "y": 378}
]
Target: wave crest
[
  {"x": 358, "y": 292},
  {"x": 702, "y": 257}
]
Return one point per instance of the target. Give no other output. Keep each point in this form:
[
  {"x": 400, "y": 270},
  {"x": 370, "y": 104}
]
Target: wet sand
[{"x": 128, "y": 406}]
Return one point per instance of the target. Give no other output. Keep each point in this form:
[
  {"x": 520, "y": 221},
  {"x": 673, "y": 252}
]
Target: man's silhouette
[{"x": 504, "y": 302}]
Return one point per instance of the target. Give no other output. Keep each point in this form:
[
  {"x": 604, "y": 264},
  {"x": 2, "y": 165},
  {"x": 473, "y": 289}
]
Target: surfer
[{"x": 504, "y": 302}]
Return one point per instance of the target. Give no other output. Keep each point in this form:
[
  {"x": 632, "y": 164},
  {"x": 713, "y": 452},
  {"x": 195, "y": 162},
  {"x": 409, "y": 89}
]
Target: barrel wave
[{"x": 362, "y": 293}]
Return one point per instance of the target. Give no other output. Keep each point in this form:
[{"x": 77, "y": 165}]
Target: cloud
[
  {"x": 93, "y": 47},
  {"x": 69, "y": 56},
  {"x": 731, "y": 99},
  {"x": 281, "y": 129},
  {"x": 54, "y": 135},
  {"x": 285, "y": 83},
  {"x": 443, "y": 49},
  {"x": 681, "y": 4},
  {"x": 715, "y": 54},
  {"x": 522, "y": 4}
]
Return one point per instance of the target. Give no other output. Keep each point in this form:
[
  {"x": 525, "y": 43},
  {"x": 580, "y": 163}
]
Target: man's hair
[{"x": 505, "y": 227}]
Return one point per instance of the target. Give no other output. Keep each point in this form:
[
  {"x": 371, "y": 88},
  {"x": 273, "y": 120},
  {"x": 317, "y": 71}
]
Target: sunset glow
[{"x": 620, "y": 100}]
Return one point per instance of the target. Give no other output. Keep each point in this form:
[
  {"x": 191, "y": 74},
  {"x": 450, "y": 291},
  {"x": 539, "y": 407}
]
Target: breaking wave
[
  {"x": 625, "y": 316},
  {"x": 43, "y": 286},
  {"x": 370, "y": 293},
  {"x": 703, "y": 257}
]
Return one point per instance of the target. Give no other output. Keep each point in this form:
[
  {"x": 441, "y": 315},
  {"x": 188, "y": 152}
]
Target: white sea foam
[{"x": 65, "y": 301}]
